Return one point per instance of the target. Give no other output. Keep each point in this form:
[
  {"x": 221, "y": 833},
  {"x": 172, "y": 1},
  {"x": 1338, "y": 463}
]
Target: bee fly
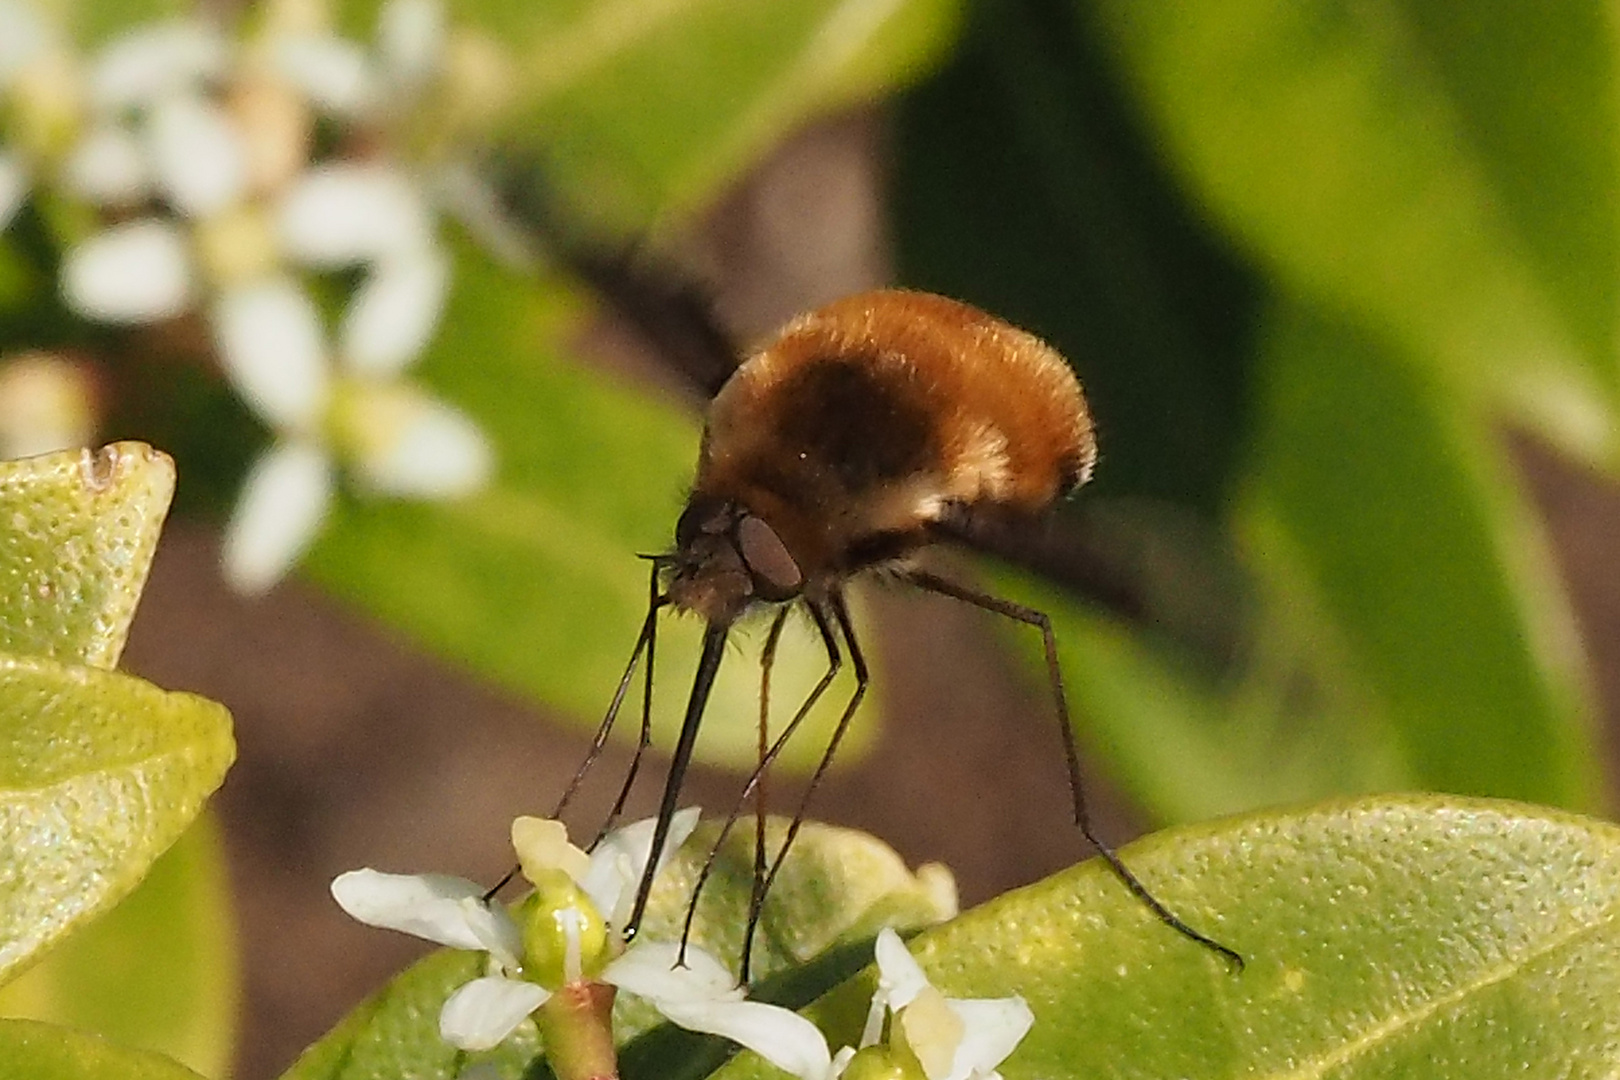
[{"x": 863, "y": 432}]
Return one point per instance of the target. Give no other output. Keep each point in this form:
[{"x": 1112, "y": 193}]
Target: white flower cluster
[
  {"x": 197, "y": 155},
  {"x": 931, "y": 1037}
]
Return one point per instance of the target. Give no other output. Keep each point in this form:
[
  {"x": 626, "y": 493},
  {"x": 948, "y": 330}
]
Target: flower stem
[{"x": 576, "y": 1025}]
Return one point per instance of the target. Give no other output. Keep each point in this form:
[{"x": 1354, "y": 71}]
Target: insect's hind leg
[
  {"x": 857, "y": 660},
  {"x": 835, "y": 662},
  {"x": 928, "y": 582}
]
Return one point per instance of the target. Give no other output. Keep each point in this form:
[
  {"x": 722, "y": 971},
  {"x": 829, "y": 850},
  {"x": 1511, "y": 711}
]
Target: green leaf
[
  {"x": 81, "y": 527},
  {"x": 1393, "y": 513},
  {"x": 1396, "y": 936},
  {"x": 647, "y": 110},
  {"x": 157, "y": 971},
  {"x": 45, "y": 1052},
  {"x": 1445, "y": 175},
  {"x": 99, "y": 774},
  {"x": 535, "y": 582},
  {"x": 838, "y": 887}
]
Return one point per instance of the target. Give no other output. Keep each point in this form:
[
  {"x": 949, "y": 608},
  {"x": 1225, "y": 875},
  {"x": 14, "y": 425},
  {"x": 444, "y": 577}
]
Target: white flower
[
  {"x": 197, "y": 157},
  {"x": 700, "y": 996},
  {"x": 398, "y": 439},
  {"x": 145, "y": 64},
  {"x": 23, "y": 37},
  {"x": 343, "y": 214},
  {"x": 284, "y": 500},
  {"x": 131, "y": 273},
  {"x": 108, "y": 167},
  {"x": 952, "y": 1038},
  {"x": 343, "y": 80}
]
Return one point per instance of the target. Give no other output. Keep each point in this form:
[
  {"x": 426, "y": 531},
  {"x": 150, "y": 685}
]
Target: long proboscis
[{"x": 714, "y": 644}]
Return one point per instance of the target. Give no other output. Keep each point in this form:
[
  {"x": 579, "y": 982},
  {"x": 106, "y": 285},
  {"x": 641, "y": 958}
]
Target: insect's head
[{"x": 726, "y": 558}]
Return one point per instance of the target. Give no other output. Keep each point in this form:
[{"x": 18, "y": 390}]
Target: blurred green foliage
[
  {"x": 1337, "y": 909},
  {"x": 1311, "y": 260}
]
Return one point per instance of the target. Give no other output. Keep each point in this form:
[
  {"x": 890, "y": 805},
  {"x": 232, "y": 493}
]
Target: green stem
[{"x": 576, "y": 1024}]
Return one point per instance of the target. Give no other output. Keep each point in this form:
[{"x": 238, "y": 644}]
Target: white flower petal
[
  {"x": 410, "y": 39},
  {"x": 424, "y": 449},
  {"x": 840, "y": 1062},
  {"x": 494, "y": 931},
  {"x": 270, "y": 343},
  {"x": 542, "y": 844},
  {"x": 23, "y": 36},
  {"x": 618, "y": 861},
  {"x": 144, "y": 64},
  {"x": 485, "y": 1011},
  {"x": 427, "y": 906},
  {"x": 337, "y": 215},
  {"x": 900, "y": 980},
  {"x": 13, "y": 187},
  {"x": 282, "y": 505},
  {"x": 649, "y": 969},
  {"x": 992, "y": 1028},
  {"x": 332, "y": 73},
  {"x": 131, "y": 273},
  {"x": 393, "y": 315},
  {"x": 785, "y": 1039},
  {"x": 197, "y": 155},
  {"x": 107, "y": 167}
]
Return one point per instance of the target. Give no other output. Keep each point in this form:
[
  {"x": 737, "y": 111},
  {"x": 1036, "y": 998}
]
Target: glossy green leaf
[
  {"x": 99, "y": 774},
  {"x": 1396, "y": 936},
  {"x": 46, "y": 1052},
  {"x": 837, "y": 888},
  {"x": 80, "y": 530},
  {"x": 535, "y": 582},
  {"x": 157, "y": 971},
  {"x": 1445, "y": 174},
  {"x": 1394, "y": 514}
]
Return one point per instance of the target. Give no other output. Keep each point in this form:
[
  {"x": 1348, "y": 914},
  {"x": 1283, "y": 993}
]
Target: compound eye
[{"x": 776, "y": 576}]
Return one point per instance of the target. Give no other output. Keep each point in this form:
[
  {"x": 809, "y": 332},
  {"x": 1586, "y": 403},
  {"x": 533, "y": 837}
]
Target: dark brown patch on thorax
[{"x": 861, "y": 430}]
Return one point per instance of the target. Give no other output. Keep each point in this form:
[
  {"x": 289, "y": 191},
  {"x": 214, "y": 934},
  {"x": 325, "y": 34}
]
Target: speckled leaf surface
[
  {"x": 79, "y": 530},
  {"x": 1385, "y": 937},
  {"x": 99, "y": 773}
]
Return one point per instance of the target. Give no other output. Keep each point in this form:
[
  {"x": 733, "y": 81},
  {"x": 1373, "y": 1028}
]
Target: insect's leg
[
  {"x": 767, "y": 661},
  {"x": 846, "y": 626},
  {"x": 935, "y": 584},
  {"x": 644, "y": 739},
  {"x": 714, "y": 647},
  {"x": 644, "y": 641},
  {"x": 835, "y": 661}
]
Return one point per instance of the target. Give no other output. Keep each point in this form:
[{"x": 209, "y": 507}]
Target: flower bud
[
  {"x": 565, "y": 939},
  {"x": 880, "y": 1063}
]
